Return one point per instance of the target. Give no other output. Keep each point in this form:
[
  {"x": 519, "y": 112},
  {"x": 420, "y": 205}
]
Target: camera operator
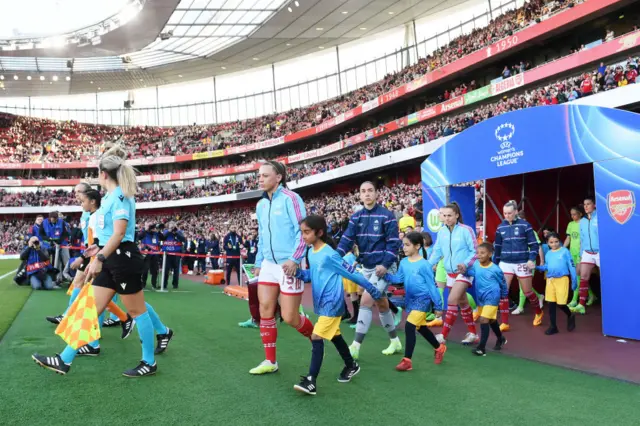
[
  {"x": 34, "y": 231},
  {"x": 173, "y": 241},
  {"x": 38, "y": 265},
  {"x": 150, "y": 241},
  {"x": 55, "y": 231}
]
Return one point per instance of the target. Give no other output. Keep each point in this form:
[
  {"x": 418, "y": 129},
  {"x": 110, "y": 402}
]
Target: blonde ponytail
[
  {"x": 127, "y": 180},
  {"x": 114, "y": 149},
  {"x": 121, "y": 172}
]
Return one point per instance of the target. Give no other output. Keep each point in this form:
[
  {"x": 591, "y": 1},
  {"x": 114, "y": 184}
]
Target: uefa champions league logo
[
  {"x": 505, "y": 135},
  {"x": 507, "y": 153}
]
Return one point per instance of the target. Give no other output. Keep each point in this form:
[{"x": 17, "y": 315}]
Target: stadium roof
[{"x": 170, "y": 41}]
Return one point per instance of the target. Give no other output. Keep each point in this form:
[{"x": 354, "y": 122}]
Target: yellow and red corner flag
[{"x": 80, "y": 325}]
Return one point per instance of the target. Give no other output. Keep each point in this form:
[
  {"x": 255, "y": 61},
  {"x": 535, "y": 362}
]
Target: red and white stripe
[
  {"x": 299, "y": 252},
  {"x": 475, "y": 243}
]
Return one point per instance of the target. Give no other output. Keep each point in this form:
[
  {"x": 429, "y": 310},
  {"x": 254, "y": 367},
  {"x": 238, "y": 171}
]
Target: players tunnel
[{"x": 549, "y": 159}]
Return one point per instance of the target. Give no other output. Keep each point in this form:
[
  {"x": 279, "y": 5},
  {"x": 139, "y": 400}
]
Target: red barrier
[{"x": 169, "y": 253}]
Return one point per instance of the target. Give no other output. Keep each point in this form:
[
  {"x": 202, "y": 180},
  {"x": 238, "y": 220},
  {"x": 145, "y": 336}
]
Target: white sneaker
[
  {"x": 470, "y": 339},
  {"x": 354, "y": 349},
  {"x": 265, "y": 367},
  {"x": 541, "y": 299},
  {"x": 440, "y": 338},
  {"x": 394, "y": 347},
  {"x": 517, "y": 311}
]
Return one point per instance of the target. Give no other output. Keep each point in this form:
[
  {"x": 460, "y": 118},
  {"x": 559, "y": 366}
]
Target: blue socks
[
  {"x": 158, "y": 326},
  {"x": 68, "y": 354},
  {"x": 145, "y": 331},
  {"x": 317, "y": 355},
  {"x": 74, "y": 295}
]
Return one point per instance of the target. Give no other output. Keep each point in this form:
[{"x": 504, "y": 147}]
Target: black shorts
[{"x": 122, "y": 271}]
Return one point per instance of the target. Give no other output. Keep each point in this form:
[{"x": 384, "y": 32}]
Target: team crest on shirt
[
  {"x": 621, "y": 204},
  {"x": 516, "y": 231}
]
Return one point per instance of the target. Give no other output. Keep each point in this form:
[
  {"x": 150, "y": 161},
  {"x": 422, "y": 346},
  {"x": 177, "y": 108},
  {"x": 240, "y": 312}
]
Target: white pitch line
[{"x": 7, "y": 274}]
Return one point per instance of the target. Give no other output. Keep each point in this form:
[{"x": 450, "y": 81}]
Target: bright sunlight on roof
[{"x": 43, "y": 18}]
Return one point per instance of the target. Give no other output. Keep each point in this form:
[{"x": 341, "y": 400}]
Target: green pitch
[{"x": 203, "y": 379}]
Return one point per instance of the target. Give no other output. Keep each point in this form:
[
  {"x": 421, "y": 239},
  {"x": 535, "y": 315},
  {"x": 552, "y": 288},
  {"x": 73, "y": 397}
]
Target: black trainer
[
  {"x": 307, "y": 385},
  {"x": 127, "y": 326},
  {"x": 88, "y": 350},
  {"x": 110, "y": 322},
  {"x": 142, "y": 370},
  {"x": 55, "y": 320},
  {"x": 571, "y": 322},
  {"x": 54, "y": 363},
  {"x": 479, "y": 352},
  {"x": 163, "y": 341},
  {"x": 348, "y": 372},
  {"x": 551, "y": 330},
  {"x": 500, "y": 344}
]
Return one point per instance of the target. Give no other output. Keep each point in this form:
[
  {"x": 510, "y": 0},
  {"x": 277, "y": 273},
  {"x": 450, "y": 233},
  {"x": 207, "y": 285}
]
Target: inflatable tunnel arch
[{"x": 536, "y": 148}]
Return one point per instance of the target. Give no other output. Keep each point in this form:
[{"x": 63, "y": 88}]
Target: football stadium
[{"x": 268, "y": 210}]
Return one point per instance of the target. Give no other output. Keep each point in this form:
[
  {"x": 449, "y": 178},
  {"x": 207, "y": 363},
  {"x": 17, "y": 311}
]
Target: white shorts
[
  {"x": 271, "y": 274},
  {"x": 590, "y": 257},
  {"x": 452, "y": 278},
  {"x": 380, "y": 283},
  {"x": 520, "y": 270}
]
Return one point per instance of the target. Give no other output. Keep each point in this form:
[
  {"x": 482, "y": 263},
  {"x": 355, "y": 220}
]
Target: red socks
[
  {"x": 305, "y": 327},
  {"x": 269, "y": 335},
  {"x": 533, "y": 299},
  {"x": 467, "y": 316},
  {"x": 583, "y": 292},
  {"x": 449, "y": 319},
  {"x": 504, "y": 310}
]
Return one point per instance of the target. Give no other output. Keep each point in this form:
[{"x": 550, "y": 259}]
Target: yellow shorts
[
  {"x": 417, "y": 318},
  {"x": 557, "y": 290},
  {"x": 350, "y": 286},
  {"x": 488, "y": 311},
  {"x": 327, "y": 327}
]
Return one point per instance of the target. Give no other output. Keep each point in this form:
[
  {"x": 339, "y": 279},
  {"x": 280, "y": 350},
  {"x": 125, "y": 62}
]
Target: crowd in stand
[
  {"x": 25, "y": 139},
  {"x": 336, "y": 207},
  {"x": 600, "y": 79}
]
